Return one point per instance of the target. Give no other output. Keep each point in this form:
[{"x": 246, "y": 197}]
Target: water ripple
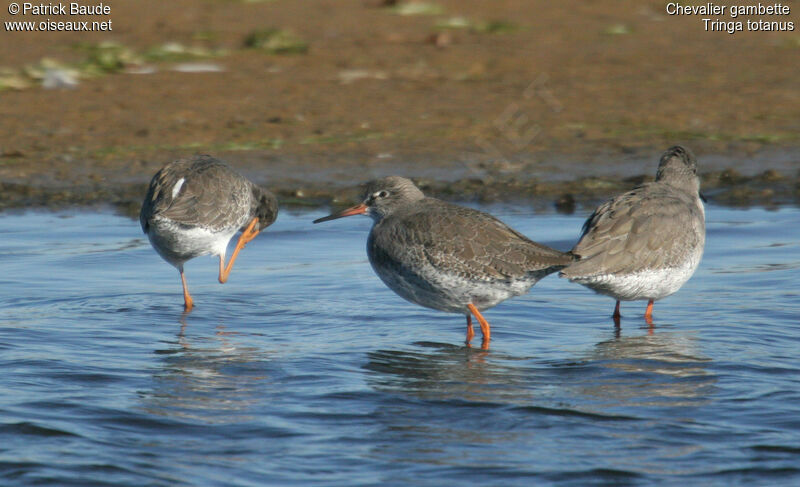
[{"x": 305, "y": 370}]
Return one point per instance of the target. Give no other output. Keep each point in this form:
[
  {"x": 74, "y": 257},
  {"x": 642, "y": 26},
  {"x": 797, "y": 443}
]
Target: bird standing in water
[
  {"x": 646, "y": 243},
  {"x": 195, "y": 206},
  {"x": 448, "y": 257}
]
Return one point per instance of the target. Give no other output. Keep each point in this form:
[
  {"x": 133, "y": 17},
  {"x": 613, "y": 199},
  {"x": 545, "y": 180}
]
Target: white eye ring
[{"x": 382, "y": 194}]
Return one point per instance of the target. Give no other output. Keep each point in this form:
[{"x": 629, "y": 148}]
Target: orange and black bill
[{"x": 360, "y": 209}]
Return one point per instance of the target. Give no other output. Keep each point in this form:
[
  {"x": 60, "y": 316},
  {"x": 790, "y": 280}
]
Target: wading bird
[
  {"x": 448, "y": 257},
  {"x": 195, "y": 206},
  {"x": 646, "y": 243}
]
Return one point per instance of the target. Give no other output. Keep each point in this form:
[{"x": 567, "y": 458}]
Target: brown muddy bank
[{"x": 527, "y": 101}]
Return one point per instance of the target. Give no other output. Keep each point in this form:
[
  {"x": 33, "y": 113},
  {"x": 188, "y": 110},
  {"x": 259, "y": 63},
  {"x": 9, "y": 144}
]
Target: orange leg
[
  {"x": 648, "y": 314},
  {"x": 487, "y": 334},
  {"x": 188, "y": 304},
  {"x": 470, "y": 331},
  {"x": 617, "y": 314},
  {"x": 247, "y": 235}
]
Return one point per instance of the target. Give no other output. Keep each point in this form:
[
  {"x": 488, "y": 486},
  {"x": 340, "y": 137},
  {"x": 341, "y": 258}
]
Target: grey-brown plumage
[
  {"x": 445, "y": 256},
  {"x": 646, "y": 243},
  {"x": 194, "y": 206}
]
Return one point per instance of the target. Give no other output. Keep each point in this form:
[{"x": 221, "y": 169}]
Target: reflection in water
[
  {"x": 449, "y": 405},
  {"x": 657, "y": 369},
  {"x": 456, "y": 386},
  {"x": 447, "y": 372},
  {"x": 662, "y": 368},
  {"x": 214, "y": 379}
]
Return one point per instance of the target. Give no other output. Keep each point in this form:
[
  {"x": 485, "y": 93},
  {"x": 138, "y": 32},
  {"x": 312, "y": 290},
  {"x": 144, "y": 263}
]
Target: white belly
[
  {"x": 648, "y": 284},
  {"x": 176, "y": 245},
  {"x": 450, "y": 293}
]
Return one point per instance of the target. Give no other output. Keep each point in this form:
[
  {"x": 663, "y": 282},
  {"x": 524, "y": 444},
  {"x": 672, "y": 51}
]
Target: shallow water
[{"x": 305, "y": 370}]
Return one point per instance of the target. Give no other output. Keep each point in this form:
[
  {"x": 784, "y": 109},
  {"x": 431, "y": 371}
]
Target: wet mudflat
[
  {"x": 305, "y": 370},
  {"x": 450, "y": 90}
]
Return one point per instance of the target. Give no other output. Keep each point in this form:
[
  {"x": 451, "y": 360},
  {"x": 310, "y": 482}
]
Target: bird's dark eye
[{"x": 383, "y": 194}]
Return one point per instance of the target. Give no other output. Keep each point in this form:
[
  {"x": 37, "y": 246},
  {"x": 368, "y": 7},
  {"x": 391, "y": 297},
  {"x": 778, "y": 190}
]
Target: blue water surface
[{"x": 305, "y": 370}]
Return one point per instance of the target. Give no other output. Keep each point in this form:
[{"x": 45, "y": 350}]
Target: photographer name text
[{"x": 48, "y": 10}]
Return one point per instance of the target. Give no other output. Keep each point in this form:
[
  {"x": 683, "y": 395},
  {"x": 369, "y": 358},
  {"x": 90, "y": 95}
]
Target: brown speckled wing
[
  {"x": 652, "y": 226},
  {"x": 461, "y": 241},
  {"x": 212, "y": 196}
]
